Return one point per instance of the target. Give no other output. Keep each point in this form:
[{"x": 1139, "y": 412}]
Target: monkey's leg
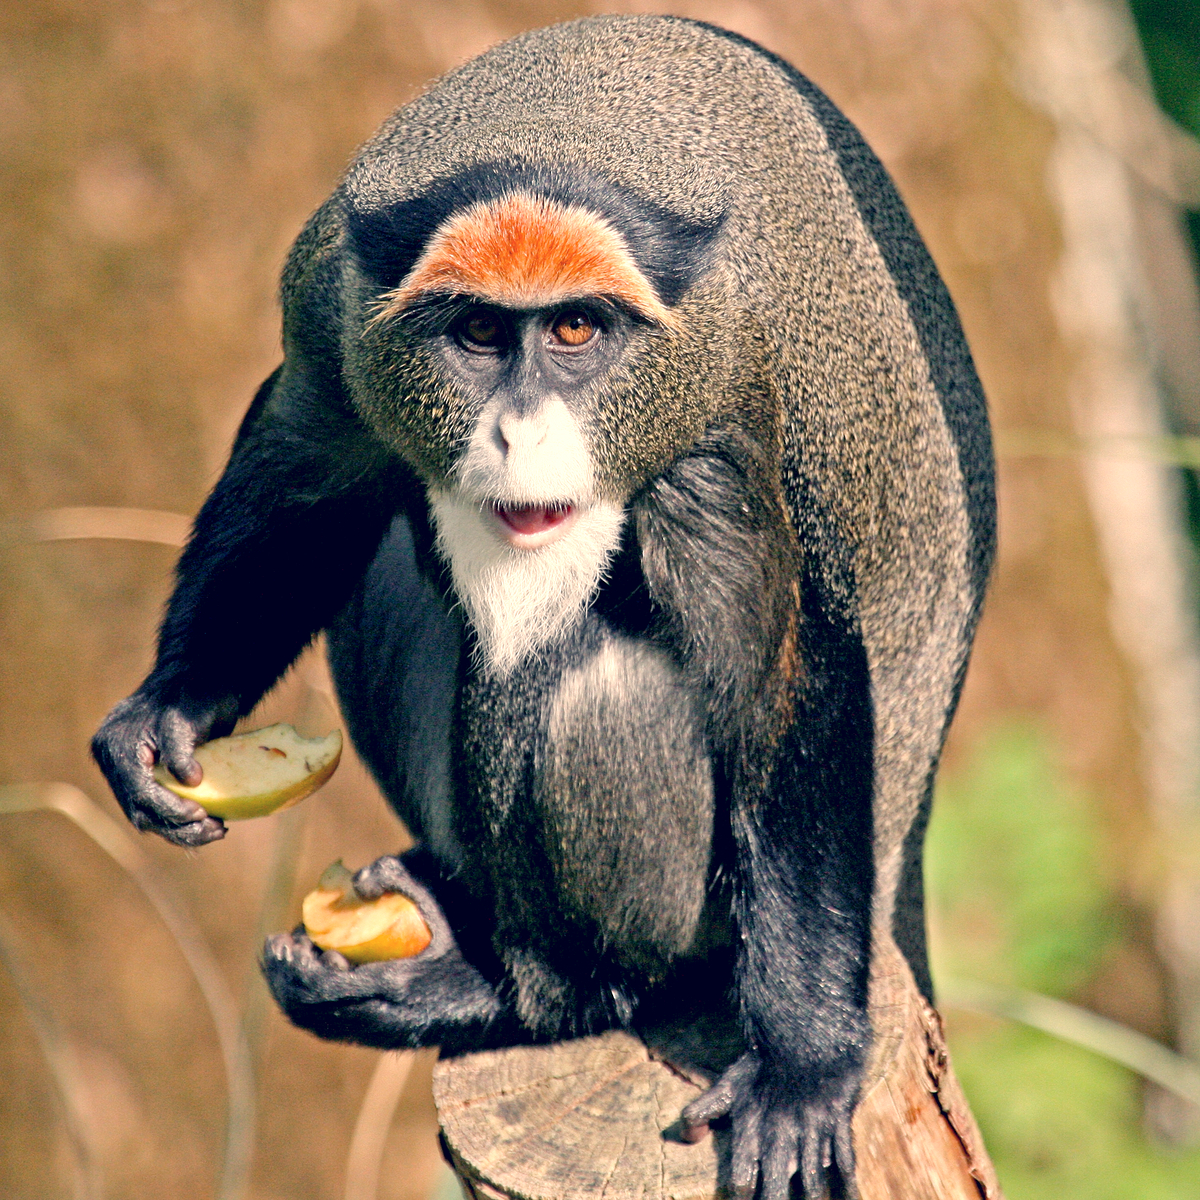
[
  {"x": 274, "y": 553},
  {"x": 803, "y": 903},
  {"x": 435, "y": 998},
  {"x": 790, "y": 716}
]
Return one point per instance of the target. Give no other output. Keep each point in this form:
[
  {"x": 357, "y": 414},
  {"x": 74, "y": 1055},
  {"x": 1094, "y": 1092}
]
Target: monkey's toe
[
  {"x": 778, "y": 1132},
  {"x": 719, "y": 1100}
]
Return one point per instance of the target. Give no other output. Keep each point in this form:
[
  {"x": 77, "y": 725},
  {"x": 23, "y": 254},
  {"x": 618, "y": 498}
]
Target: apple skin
[
  {"x": 337, "y": 918},
  {"x": 253, "y": 774}
]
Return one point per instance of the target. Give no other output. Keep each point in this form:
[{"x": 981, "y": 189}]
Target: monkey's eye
[
  {"x": 572, "y": 328},
  {"x": 482, "y": 331}
]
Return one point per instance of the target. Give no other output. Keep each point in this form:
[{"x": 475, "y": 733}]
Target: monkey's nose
[{"x": 522, "y": 433}]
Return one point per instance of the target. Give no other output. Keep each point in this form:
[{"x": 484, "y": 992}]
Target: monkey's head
[{"x": 537, "y": 353}]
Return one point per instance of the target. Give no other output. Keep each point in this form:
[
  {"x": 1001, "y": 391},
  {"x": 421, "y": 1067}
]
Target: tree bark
[{"x": 600, "y": 1117}]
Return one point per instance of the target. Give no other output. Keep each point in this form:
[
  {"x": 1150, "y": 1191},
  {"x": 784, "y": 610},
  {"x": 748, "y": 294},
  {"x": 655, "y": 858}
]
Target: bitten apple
[
  {"x": 253, "y": 774},
  {"x": 336, "y": 917}
]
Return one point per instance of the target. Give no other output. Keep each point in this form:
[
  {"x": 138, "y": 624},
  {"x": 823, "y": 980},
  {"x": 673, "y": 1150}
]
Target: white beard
[{"x": 519, "y": 601}]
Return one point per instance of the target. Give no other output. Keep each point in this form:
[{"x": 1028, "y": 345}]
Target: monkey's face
[
  {"x": 529, "y": 371},
  {"x": 528, "y": 384},
  {"x": 537, "y": 376},
  {"x": 526, "y": 358}
]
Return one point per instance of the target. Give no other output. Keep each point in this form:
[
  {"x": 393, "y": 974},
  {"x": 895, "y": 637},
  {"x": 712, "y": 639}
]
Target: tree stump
[{"x": 599, "y": 1117}]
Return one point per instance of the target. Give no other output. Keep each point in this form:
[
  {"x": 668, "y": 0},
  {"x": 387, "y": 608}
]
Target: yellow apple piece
[
  {"x": 253, "y": 774},
  {"x": 336, "y": 917}
]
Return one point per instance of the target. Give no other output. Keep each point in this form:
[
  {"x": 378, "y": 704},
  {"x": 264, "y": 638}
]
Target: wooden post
[{"x": 600, "y": 1117}]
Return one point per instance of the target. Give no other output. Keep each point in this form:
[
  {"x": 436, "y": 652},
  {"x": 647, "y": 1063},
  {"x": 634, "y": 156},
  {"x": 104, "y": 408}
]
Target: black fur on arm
[
  {"x": 274, "y": 553},
  {"x": 802, "y": 899},
  {"x": 790, "y": 718}
]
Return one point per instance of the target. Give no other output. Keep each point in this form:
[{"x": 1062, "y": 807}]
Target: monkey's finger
[
  {"x": 390, "y": 874},
  {"x": 843, "y": 1157},
  {"x": 177, "y": 738},
  {"x": 299, "y": 974},
  {"x": 386, "y": 874},
  {"x": 153, "y": 808},
  {"x": 169, "y": 808},
  {"x": 301, "y": 948},
  {"x": 145, "y": 792},
  {"x": 296, "y": 949},
  {"x": 278, "y": 947},
  {"x": 195, "y": 833},
  {"x": 813, "y": 1175},
  {"x": 293, "y": 968},
  {"x": 707, "y": 1107}
]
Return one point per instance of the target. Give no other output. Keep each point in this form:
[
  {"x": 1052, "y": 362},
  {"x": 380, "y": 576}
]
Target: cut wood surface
[{"x": 599, "y": 1117}]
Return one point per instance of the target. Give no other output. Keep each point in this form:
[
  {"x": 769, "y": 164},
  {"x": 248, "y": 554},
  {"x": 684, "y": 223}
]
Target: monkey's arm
[
  {"x": 274, "y": 553},
  {"x": 790, "y": 717},
  {"x": 436, "y": 998}
]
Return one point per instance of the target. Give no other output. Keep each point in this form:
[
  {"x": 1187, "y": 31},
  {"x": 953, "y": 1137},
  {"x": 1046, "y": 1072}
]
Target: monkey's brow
[{"x": 433, "y": 312}]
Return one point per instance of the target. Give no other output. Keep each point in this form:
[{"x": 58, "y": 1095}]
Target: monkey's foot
[{"x": 778, "y": 1132}]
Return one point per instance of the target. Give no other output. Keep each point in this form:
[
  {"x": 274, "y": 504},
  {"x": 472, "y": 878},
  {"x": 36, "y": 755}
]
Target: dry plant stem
[
  {"x": 56, "y": 1050},
  {"x": 1131, "y": 1049},
  {"x": 1117, "y": 253},
  {"x": 365, "y": 1159},
  {"x": 121, "y": 524},
  {"x": 113, "y": 839},
  {"x": 318, "y": 710},
  {"x": 1181, "y": 451},
  {"x": 274, "y": 914}
]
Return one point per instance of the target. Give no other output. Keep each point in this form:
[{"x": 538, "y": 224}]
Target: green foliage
[
  {"x": 1019, "y": 897},
  {"x": 1170, "y": 31},
  {"x": 1015, "y": 909},
  {"x": 1061, "y": 1123},
  {"x": 1170, "y": 35}
]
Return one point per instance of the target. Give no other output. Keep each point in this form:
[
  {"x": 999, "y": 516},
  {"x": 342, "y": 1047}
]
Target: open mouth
[{"x": 531, "y": 525}]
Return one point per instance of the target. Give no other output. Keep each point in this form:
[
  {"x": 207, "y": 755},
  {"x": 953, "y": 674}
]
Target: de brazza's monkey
[{"x": 627, "y": 446}]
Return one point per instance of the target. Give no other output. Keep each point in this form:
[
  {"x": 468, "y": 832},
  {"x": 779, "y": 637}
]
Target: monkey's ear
[
  {"x": 311, "y": 292},
  {"x": 258, "y": 404}
]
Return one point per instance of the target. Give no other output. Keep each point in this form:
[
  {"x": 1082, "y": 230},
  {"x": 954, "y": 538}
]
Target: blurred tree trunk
[{"x": 1126, "y": 301}]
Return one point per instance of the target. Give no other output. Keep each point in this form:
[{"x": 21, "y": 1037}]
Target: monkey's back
[
  {"x": 885, "y": 456},
  {"x": 887, "y": 424}
]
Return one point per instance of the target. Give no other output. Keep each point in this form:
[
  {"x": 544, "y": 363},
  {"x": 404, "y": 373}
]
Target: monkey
[{"x": 643, "y": 486}]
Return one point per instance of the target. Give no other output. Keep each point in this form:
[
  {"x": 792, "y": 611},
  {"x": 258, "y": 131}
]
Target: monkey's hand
[
  {"x": 779, "y": 1129},
  {"x": 143, "y": 730},
  {"x": 435, "y": 998}
]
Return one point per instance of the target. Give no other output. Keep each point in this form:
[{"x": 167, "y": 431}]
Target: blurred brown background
[{"x": 157, "y": 159}]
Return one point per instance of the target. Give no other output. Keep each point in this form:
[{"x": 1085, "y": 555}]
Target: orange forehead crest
[{"x": 525, "y": 251}]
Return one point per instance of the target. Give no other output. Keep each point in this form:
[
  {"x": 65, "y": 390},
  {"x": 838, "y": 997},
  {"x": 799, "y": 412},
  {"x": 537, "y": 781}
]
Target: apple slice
[
  {"x": 253, "y": 774},
  {"x": 336, "y": 917}
]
